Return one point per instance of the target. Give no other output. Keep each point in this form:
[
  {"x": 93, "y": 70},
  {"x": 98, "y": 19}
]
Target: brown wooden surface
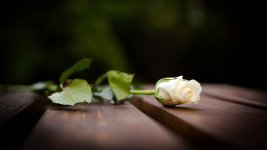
[
  {"x": 227, "y": 117},
  {"x": 19, "y": 111},
  {"x": 100, "y": 126},
  {"x": 244, "y": 96},
  {"x": 215, "y": 122},
  {"x": 12, "y": 104}
]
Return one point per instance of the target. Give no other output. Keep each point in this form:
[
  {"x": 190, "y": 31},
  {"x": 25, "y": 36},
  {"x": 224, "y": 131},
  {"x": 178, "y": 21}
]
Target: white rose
[{"x": 174, "y": 91}]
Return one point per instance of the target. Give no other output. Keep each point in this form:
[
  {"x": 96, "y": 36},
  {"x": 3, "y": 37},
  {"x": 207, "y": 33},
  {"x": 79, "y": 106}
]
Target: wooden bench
[{"x": 227, "y": 117}]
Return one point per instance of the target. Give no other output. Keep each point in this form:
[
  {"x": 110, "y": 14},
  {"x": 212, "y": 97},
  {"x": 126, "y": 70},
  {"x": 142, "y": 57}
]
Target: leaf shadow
[{"x": 81, "y": 107}]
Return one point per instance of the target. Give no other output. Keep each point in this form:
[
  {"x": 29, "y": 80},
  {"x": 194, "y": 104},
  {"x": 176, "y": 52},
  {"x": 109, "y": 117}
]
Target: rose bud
[{"x": 176, "y": 90}]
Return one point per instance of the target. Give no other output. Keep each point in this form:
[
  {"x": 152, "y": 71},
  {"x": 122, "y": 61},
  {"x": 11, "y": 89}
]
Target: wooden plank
[
  {"x": 244, "y": 96},
  {"x": 11, "y": 104},
  {"x": 212, "y": 123},
  {"x": 100, "y": 126},
  {"x": 18, "y": 113}
]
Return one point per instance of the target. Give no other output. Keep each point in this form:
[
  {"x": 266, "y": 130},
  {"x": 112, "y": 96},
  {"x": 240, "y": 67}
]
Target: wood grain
[
  {"x": 100, "y": 126},
  {"x": 240, "y": 95},
  {"x": 18, "y": 113},
  {"x": 227, "y": 117},
  {"x": 212, "y": 123},
  {"x": 11, "y": 104}
]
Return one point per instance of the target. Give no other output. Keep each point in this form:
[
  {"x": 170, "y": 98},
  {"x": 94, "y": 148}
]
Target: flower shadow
[{"x": 185, "y": 109}]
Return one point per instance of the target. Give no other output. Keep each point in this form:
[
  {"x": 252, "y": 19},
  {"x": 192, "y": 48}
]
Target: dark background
[{"x": 211, "y": 41}]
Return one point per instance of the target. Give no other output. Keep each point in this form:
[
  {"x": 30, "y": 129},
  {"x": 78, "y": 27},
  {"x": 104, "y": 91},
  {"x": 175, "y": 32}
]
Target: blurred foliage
[
  {"x": 35, "y": 32},
  {"x": 39, "y": 39}
]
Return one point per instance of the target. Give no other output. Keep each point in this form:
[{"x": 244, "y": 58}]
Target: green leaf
[
  {"x": 77, "y": 91},
  {"x": 120, "y": 83},
  {"x": 45, "y": 85},
  {"x": 77, "y": 67},
  {"x": 104, "y": 92}
]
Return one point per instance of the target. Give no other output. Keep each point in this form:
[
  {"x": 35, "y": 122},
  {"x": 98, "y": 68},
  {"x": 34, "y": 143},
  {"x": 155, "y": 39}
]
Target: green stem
[
  {"x": 100, "y": 79},
  {"x": 142, "y": 92}
]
